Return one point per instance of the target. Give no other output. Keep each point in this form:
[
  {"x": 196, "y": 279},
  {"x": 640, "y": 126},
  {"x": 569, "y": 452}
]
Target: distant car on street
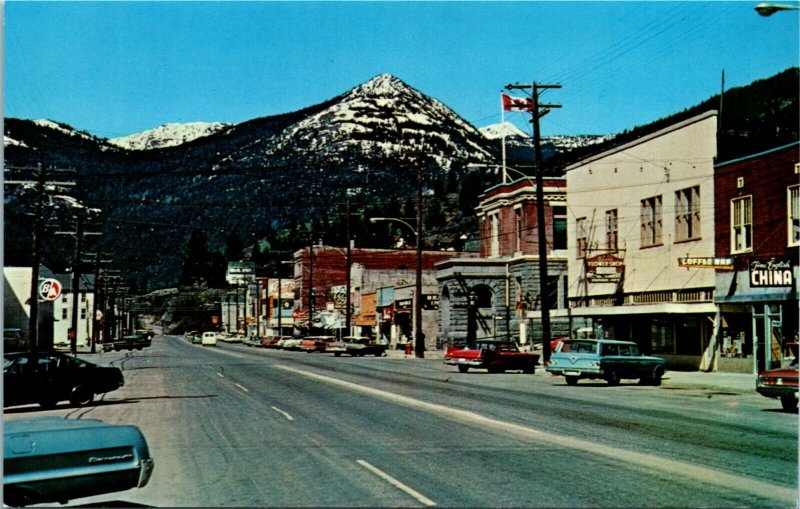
[
  {"x": 49, "y": 377},
  {"x": 781, "y": 382},
  {"x": 209, "y": 338},
  {"x": 53, "y": 459},
  {"x": 316, "y": 343},
  {"x": 606, "y": 359}
]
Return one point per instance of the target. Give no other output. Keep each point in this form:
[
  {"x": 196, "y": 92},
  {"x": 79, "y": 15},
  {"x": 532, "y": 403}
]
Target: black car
[{"x": 49, "y": 377}]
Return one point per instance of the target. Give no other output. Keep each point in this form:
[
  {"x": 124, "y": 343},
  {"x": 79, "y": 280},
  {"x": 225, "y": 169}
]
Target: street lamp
[
  {"x": 768, "y": 9},
  {"x": 419, "y": 339}
]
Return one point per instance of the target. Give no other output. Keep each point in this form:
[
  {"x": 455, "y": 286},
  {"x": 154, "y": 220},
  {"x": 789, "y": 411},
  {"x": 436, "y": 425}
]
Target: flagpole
[{"x": 503, "y": 135}]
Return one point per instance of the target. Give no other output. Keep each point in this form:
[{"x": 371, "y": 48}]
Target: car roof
[{"x": 606, "y": 341}]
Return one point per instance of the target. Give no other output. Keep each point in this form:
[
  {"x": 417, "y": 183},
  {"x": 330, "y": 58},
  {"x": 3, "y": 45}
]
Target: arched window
[{"x": 483, "y": 296}]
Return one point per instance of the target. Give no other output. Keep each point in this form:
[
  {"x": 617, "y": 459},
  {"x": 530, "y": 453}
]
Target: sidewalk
[{"x": 716, "y": 381}]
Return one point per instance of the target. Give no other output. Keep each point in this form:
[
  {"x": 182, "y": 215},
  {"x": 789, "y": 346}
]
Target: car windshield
[{"x": 579, "y": 347}]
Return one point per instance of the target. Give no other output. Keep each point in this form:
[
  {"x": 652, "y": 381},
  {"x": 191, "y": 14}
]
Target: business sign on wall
[
  {"x": 605, "y": 268},
  {"x": 771, "y": 273}
]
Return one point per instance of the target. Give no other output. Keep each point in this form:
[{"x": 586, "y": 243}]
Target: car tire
[
  {"x": 337, "y": 354},
  {"x": 789, "y": 403},
  {"x": 530, "y": 370},
  {"x": 613, "y": 378},
  {"x": 81, "y": 396},
  {"x": 572, "y": 380},
  {"x": 463, "y": 369}
]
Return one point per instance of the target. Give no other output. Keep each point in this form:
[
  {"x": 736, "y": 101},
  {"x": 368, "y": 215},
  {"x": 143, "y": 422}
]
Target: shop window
[
  {"x": 661, "y": 338},
  {"x": 687, "y": 214},
  {"x": 483, "y": 296},
  {"x": 742, "y": 224},
  {"x": 518, "y": 229},
  {"x": 651, "y": 222},
  {"x": 793, "y": 219}
]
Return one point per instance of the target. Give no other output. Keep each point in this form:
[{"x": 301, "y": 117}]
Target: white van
[{"x": 209, "y": 339}]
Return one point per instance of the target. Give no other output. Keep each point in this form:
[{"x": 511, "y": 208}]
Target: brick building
[
  {"x": 498, "y": 293},
  {"x": 757, "y": 211},
  {"x": 382, "y": 291}
]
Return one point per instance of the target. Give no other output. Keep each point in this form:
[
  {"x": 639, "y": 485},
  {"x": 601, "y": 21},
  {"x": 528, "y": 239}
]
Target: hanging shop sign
[
  {"x": 706, "y": 262},
  {"x": 771, "y": 273},
  {"x": 605, "y": 268}
]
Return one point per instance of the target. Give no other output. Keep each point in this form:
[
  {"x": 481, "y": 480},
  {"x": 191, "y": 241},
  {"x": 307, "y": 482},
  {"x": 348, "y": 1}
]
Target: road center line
[
  {"x": 241, "y": 387},
  {"x": 646, "y": 461},
  {"x": 285, "y": 414},
  {"x": 397, "y": 484}
]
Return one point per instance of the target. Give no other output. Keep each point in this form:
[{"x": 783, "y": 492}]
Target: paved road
[{"x": 238, "y": 426}]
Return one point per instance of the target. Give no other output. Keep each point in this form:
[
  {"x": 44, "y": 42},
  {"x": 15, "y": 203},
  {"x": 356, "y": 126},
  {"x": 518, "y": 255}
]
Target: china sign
[{"x": 771, "y": 273}]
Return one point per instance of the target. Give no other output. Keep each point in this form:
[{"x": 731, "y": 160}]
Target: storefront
[{"x": 759, "y": 314}]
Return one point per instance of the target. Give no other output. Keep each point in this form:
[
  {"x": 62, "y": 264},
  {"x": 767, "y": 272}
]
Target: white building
[
  {"x": 634, "y": 211},
  {"x": 55, "y": 317}
]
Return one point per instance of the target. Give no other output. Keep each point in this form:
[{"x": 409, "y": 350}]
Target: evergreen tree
[{"x": 196, "y": 259}]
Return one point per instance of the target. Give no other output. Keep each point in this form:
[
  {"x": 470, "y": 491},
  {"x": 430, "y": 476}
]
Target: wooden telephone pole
[{"x": 538, "y": 110}]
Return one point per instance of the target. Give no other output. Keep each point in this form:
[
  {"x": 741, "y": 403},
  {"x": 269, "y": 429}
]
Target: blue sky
[{"x": 116, "y": 68}]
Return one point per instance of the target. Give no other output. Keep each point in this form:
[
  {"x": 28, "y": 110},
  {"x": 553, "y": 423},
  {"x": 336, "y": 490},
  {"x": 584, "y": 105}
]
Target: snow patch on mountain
[
  {"x": 168, "y": 135},
  {"x": 497, "y": 131},
  {"x": 64, "y": 128}
]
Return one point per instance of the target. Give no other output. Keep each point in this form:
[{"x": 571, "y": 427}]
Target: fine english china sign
[{"x": 771, "y": 273}]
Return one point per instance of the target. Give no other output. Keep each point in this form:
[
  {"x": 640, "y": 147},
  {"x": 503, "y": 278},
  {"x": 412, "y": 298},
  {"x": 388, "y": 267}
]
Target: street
[{"x": 240, "y": 426}]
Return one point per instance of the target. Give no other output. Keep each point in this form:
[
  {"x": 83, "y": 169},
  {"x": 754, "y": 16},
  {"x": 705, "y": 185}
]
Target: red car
[
  {"x": 491, "y": 355},
  {"x": 781, "y": 383}
]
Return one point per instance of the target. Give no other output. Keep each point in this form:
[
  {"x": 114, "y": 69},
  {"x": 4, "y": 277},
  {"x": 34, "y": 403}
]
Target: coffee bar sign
[{"x": 771, "y": 273}]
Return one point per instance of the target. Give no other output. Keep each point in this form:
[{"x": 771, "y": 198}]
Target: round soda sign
[{"x": 49, "y": 289}]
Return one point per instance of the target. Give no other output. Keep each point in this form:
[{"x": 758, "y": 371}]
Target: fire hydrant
[{"x": 408, "y": 348}]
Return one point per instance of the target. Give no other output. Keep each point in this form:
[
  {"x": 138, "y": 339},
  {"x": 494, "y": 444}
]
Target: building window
[
  {"x": 793, "y": 210},
  {"x": 559, "y": 227},
  {"x": 494, "y": 244},
  {"x": 518, "y": 228},
  {"x": 581, "y": 237},
  {"x": 651, "y": 221},
  {"x": 742, "y": 224},
  {"x": 63, "y": 313},
  {"x": 687, "y": 213},
  {"x": 83, "y": 313},
  {"x": 612, "y": 236}
]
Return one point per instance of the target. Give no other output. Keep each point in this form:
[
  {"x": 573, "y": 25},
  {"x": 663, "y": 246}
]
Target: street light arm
[
  {"x": 768, "y": 9},
  {"x": 413, "y": 230}
]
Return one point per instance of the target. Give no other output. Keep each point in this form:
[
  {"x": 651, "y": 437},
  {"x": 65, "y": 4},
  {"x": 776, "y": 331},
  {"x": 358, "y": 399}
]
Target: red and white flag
[{"x": 511, "y": 103}]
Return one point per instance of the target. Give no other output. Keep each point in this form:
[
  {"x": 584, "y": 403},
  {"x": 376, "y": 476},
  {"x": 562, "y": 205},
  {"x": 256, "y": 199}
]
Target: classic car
[
  {"x": 131, "y": 342},
  {"x": 606, "y": 359},
  {"x": 493, "y": 355},
  {"x": 359, "y": 346},
  {"x": 52, "y": 459},
  {"x": 209, "y": 338},
  {"x": 292, "y": 343},
  {"x": 316, "y": 343},
  {"x": 272, "y": 341},
  {"x": 49, "y": 377},
  {"x": 781, "y": 382}
]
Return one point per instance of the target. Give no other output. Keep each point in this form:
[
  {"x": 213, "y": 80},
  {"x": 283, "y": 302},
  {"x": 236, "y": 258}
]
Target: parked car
[
  {"x": 209, "y": 339},
  {"x": 197, "y": 338},
  {"x": 293, "y": 343},
  {"x": 493, "y": 355},
  {"x": 316, "y": 343},
  {"x": 606, "y": 359},
  {"x": 49, "y": 377},
  {"x": 53, "y": 459},
  {"x": 359, "y": 346},
  {"x": 130, "y": 342},
  {"x": 231, "y": 338},
  {"x": 272, "y": 341},
  {"x": 781, "y": 382}
]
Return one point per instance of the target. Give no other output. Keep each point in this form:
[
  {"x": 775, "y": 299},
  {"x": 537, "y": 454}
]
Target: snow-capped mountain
[
  {"x": 168, "y": 135},
  {"x": 503, "y": 129},
  {"x": 383, "y": 118}
]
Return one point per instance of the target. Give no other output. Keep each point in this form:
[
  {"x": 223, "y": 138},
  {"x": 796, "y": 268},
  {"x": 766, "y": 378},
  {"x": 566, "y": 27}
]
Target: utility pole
[
  {"x": 38, "y": 228},
  {"x": 419, "y": 337},
  {"x": 538, "y": 110}
]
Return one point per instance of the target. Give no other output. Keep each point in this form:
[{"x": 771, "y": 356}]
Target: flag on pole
[{"x": 511, "y": 103}]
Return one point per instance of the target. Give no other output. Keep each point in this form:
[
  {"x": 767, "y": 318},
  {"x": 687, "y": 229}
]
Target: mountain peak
[{"x": 382, "y": 85}]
